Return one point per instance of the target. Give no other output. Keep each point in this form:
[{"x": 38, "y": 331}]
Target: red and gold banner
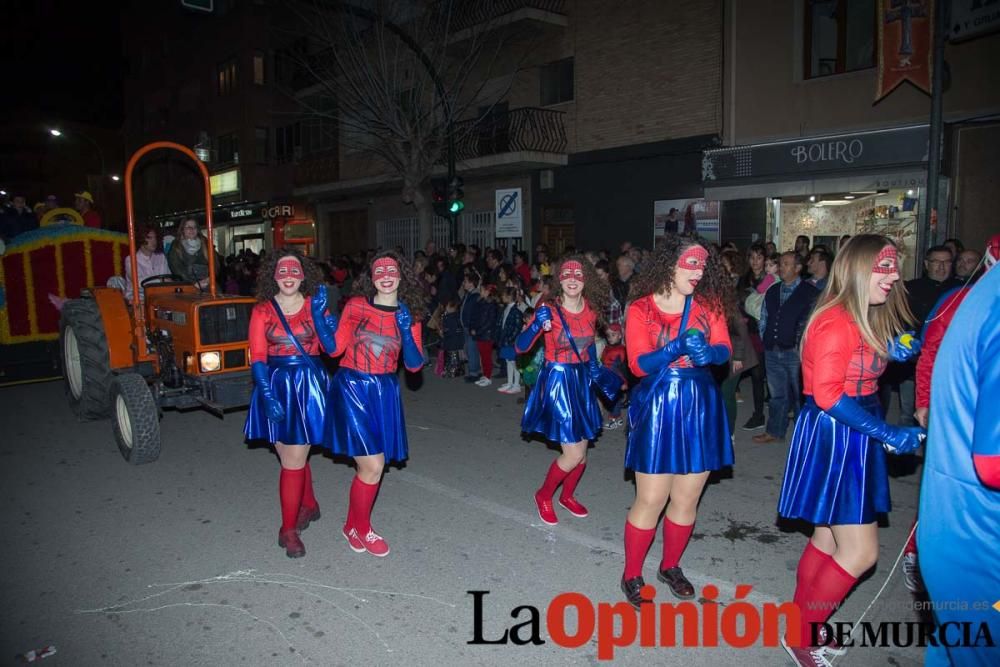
[{"x": 905, "y": 44}]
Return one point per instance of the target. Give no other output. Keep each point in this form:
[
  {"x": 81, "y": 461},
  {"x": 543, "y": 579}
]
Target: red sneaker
[
  {"x": 574, "y": 507},
  {"x": 375, "y": 545},
  {"x": 289, "y": 540},
  {"x": 831, "y": 646},
  {"x": 306, "y": 516},
  {"x": 545, "y": 511},
  {"x": 353, "y": 540}
]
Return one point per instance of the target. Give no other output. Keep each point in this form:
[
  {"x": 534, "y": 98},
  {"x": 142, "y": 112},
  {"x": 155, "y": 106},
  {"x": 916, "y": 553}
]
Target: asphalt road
[{"x": 176, "y": 562}]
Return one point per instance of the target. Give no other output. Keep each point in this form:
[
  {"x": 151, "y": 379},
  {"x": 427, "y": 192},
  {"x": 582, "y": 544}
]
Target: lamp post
[{"x": 56, "y": 132}]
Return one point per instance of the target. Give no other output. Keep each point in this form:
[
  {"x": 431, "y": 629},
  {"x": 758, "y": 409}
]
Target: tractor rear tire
[
  {"x": 136, "y": 419},
  {"x": 85, "y": 360}
]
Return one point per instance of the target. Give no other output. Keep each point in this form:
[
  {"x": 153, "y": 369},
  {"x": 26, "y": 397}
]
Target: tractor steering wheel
[{"x": 162, "y": 277}]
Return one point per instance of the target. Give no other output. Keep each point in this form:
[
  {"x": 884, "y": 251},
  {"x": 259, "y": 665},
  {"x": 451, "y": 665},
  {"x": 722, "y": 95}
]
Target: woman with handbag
[
  {"x": 365, "y": 417},
  {"x": 675, "y": 328},
  {"x": 562, "y": 406},
  {"x": 290, "y": 385}
]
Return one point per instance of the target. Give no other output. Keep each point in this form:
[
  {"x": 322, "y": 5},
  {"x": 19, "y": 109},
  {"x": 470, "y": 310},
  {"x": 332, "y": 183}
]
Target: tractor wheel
[
  {"x": 85, "y": 360},
  {"x": 136, "y": 419}
]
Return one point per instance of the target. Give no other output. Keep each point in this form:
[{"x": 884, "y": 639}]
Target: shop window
[
  {"x": 556, "y": 82},
  {"x": 839, "y": 36},
  {"x": 260, "y": 144},
  {"x": 228, "y": 148},
  {"x": 258, "y": 69},
  {"x": 226, "y": 75}
]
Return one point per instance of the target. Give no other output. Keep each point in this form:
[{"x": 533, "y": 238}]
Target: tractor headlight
[{"x": 209, "y": 362}]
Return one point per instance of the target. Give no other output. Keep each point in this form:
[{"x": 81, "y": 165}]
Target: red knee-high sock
[
  {"x": 911, "y": 544},
  {"x": 359, "y": 513},
  {"x": 810, "y": 563},
  {"x": 553, "y": 477},
  {"x": 675, "y": 540},
  {"x": 308, "y": 499},
  {"x": 572, "y": 479},
  {"x": 828, "y": 589},
  {"x": 290, "y": 491},
  {"x": 637, "y": 542}
]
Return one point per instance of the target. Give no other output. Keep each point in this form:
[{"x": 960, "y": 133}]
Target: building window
[
  {"x": 228, "y": 149},
  {"x": 260, "y": 144},
  {"x": 288, "y": 143},
  {"x": 557, "y": 82},
  {"x": 258, "y": 69},
  {"x": 227, "y": 77},
  {"x": 839, "y": 36}
]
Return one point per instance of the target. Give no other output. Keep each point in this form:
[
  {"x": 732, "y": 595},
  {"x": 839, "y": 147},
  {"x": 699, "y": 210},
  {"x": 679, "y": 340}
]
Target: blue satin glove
[
  {"x": 412, "y": 356},
  {"x": 897, "y": 439},
  {"x": 657, "y": 359},
  {"x": 593, "y": 365},
  {"x": 262, "y": 378},
  {"x": 325, "y": 323},
  {"x": 899, "y": 351},
  {"x": 526, "y": 338},
  {"x": 703, "y": 354}
]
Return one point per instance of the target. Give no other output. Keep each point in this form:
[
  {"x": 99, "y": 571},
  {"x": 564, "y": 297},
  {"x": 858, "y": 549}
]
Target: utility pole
[{"x": 927, "y": 235}]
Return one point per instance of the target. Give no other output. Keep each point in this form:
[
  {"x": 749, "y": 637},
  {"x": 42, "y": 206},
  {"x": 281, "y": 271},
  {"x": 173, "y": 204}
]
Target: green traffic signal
[{"x": 456, "y": 206}]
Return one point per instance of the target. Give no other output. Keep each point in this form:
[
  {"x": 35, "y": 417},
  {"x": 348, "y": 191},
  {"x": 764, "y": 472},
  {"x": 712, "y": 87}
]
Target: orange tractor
[{"x": 181, "y": 347}]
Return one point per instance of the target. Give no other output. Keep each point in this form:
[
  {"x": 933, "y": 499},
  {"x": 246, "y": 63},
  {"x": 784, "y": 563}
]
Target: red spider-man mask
[
  {"x": 693, "y": 258},
  {"x": 288, "y": 274},
  {"x": 887, "y": 261},
  {"x": 385, "y": 275},
  {"x": 571, "y": 270}
]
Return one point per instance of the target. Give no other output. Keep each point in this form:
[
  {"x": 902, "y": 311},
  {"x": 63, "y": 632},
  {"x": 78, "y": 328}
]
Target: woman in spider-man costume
[
  {"x": 365, "y": 416},
  {"x": 290, "y": 385},
  {"x": 562, "y": 406},
  {"x": 835, "y": 477},
  {"x": 674, "y": 329}
]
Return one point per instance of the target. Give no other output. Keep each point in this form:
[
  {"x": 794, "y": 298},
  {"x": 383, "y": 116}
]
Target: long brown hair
[
  {"x": 715, "y": 289},
  {"x": 596, "y": 290},
  {"x": 267, "y": 286},
  {"x": 411, "y": 292},
  {"x": 848, "y": 287}
]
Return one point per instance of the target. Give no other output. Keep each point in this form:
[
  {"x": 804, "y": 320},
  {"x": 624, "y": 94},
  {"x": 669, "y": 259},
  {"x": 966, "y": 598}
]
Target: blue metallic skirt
[
  {"x": 365, "y": 416},
  {"x": 302, "y": 392},
  {"x": 678, "y": 424},
  {"x": 834, "y": 475},
  {"x": 562, "y": 407}
]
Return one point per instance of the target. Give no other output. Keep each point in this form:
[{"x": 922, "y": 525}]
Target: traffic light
[
  {"x": 439, "y": 197},
  {"x": 455, "y": 195}
]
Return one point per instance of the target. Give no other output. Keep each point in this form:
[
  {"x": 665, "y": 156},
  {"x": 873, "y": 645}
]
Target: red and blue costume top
[
  {"x": 368, "y": 337},
  {"x": 934, "y": 328},
  {"x": 581, "y": 327},
  {"x": 267, "y": 336},
  {"x": 836, "y": 360},
  {"x": 647, "y": 328}
]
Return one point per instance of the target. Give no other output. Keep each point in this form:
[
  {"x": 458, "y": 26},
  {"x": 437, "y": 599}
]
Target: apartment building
[{"x": 808, "y": 151}]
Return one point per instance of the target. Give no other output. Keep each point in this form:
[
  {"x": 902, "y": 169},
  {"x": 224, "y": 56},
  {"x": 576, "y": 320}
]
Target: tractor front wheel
[
  {"x": 85, "y": 360},
  {"x": 136, "y": 419}
]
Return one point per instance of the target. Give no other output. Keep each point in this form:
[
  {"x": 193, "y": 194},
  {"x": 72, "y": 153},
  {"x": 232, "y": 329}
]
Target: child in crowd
[
  {"x": 613, "y": 357},
  {"x": 530, "y": 363},
  {"x": 509, "y": 325},
  {"x": 771, "y": 268},
  {"x": 453, "y": 340},
  {"x": 483, "y": 330}
]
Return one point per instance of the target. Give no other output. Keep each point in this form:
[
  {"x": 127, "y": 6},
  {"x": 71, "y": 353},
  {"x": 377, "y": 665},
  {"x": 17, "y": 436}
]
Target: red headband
[
  {"x": 384, "y": 265},
  {"x": 571, "y": 269},
  {"x": 288, "y": 267},
  {"x": 696, "y": 253},
  {"x": 888, "y": 252}
]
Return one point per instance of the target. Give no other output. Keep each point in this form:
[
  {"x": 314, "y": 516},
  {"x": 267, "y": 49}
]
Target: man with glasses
[{"x": 922, "y": 294}]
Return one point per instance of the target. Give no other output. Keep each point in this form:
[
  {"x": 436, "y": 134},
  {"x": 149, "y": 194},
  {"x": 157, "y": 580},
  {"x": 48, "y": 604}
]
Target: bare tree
[{"x": 390, "y": 78}]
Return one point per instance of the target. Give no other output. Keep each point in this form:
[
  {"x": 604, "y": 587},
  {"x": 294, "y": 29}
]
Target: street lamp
[
  {"x": 116, "y": 178},
  {"x": 56, "y": 132}
]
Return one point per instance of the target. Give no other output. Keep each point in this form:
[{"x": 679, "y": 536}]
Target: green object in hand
[{"x": 692, "y": 332}]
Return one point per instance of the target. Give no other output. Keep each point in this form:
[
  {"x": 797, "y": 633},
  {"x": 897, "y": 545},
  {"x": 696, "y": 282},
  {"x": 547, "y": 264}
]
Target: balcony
[
  {"x": 471, "y": 15},
  {"x": 527, "y": 137}
]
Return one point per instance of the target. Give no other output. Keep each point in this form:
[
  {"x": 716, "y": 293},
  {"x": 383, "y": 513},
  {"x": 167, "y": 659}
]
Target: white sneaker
[
  {"x": 484, "y": 382},
  {"x": 911, "y": 573},
  {"x": 504, "y": 387},
  {"x": 511, "y": 389}
]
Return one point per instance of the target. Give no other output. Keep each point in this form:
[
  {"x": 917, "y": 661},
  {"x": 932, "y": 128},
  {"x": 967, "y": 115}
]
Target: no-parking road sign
[{"x": 508, "y": 211}]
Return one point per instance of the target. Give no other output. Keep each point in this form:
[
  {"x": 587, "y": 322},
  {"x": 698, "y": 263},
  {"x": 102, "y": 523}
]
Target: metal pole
[{"x": 926, "y": 235}]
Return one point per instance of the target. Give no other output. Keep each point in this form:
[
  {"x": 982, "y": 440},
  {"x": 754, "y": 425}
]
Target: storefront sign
[
  {"x": 868, "y": 150},
  {"x": 972, "y": 18},
  {"x": 905, "y": 36}
]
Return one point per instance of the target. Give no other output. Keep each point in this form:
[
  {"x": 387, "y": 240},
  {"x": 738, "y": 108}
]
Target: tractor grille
[
  {"x": 224, "y": 323},
  {"x": 234, "y": 359}
]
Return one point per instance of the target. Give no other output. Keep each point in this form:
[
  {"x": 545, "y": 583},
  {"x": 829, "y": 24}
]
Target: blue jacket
[
  {"x": 782, "y": 323},
  {"x": 485, "y": 322},
  {"x": 508, "y": 327},
  {"x": 452, "y": 334},
  {"x": 467, "y": 311}
]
